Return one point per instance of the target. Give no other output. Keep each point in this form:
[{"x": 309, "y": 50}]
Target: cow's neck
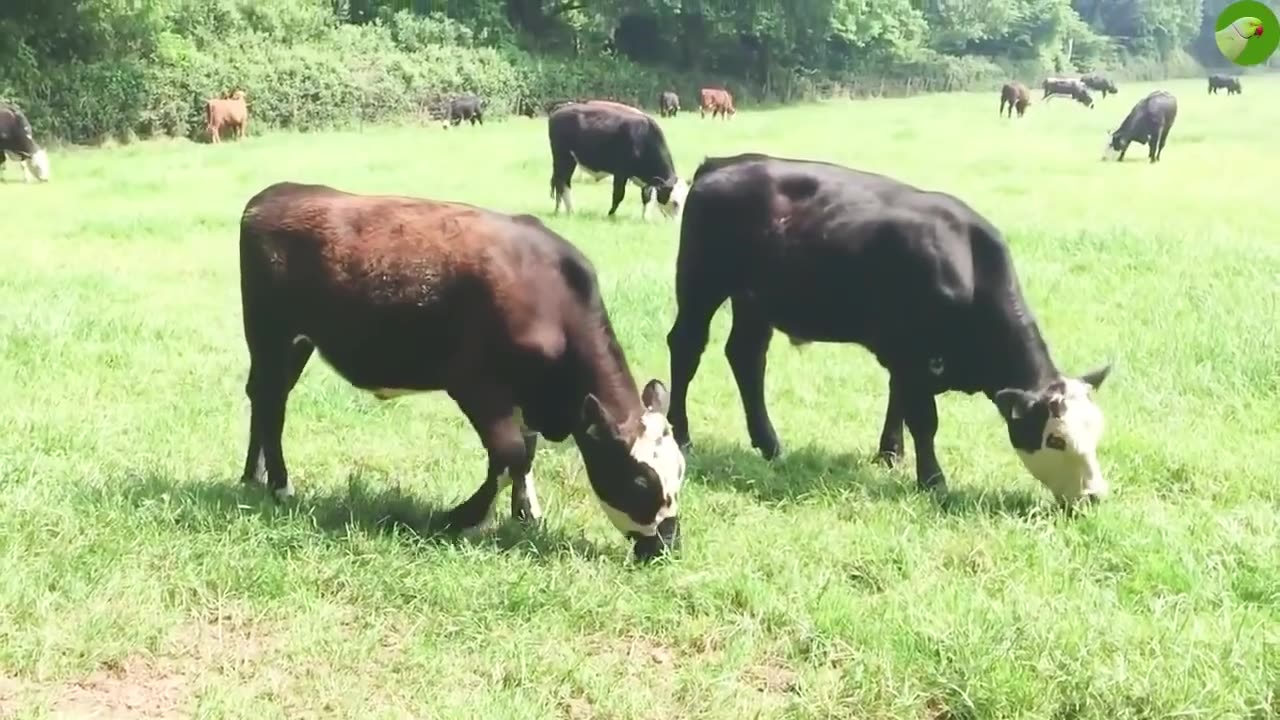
[
  {"x": 1021, "y": 356},
  {"x": 603, "y": 368}
]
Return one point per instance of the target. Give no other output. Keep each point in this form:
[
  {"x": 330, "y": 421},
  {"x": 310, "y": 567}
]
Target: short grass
[{"x": 137, "y": 577}]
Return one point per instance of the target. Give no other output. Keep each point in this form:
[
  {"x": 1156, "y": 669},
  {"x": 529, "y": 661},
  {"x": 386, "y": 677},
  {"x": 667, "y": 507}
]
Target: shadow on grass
[
  {"x": 809, "y": 471},
  {"x": 377, "y": 507}
]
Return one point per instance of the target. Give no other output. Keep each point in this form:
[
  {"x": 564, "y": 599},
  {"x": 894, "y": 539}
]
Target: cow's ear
[
  {"x": 655, "y": 397},
  {"x": 597, "y": 420},
  {"x": 1094, "y": 378},
  {"x": 1014, "y": 403}
]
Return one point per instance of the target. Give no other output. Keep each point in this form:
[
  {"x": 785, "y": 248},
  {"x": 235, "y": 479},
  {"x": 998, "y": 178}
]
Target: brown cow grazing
[
  {"x": 668, "y": 104},
  {"x": 719, "y": 102},
  {"x": 1016, "y": 95},
  {"x": 230, "y": 112},
  {"x": 403, "y": 295}
]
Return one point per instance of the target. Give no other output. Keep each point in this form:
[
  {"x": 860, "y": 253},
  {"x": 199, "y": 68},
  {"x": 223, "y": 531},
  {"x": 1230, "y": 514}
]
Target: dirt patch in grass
[
  {"x": 135, "y": 688},
  {"x": 146, "y": 686}
]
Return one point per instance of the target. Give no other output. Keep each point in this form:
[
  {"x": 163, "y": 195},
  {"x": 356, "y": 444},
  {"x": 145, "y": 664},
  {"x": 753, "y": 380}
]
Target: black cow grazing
[
  {"x": 1016, "y": 95},
  {"x": 606, "y": 138},
  {"x": 1101, "y": 83},
  {"x": 18, "y": 141},
  {"x": 467, "y": 107},
  {"x": 1148, "y": 123},
  {"x": 926, "y": 284},
  {"x": 668, "y": 104},
  {"x": 1217, "y": 82},
  {"x": 404, "y": 295},
  {"x": 1070, "y": 87}
]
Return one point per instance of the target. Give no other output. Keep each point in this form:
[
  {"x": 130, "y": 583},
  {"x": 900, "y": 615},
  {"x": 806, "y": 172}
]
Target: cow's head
[
  {"x": 1056, "y": 431},
  {"x": 1117, "y": 141},
  {"x": 237, "y": 95},
  {"x": 1083, "y": 97},
  {"x": 39, "y": 164},
  {"x": 671, "y": 197},
  {"x": 636, "y": 469}
]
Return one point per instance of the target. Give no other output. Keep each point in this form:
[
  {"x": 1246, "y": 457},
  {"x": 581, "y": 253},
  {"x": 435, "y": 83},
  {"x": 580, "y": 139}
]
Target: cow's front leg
[
  {"x": 524, "y": 497},
  {"x": 920, "y": 411},
  {"x": 891, "y": 445},
  {"x": 646, "y": 201},
  {"x": 493, "y": 418},
  {"x": 619, "y": 192}
]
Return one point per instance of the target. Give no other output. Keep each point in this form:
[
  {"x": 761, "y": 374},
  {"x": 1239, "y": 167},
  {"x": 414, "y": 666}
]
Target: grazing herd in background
[{"x": 404, "y": 295}]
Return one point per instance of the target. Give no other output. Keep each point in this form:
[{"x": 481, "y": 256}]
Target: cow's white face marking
[
  {"x": 40, "y": 164},
  {"x": 656, "y": 448},
  {"x": 675, "y": 206},
  {"x": 936, "y": 366},
  {"x": 1067, "y": 461},
  {"x": 1109, "y": 152}
]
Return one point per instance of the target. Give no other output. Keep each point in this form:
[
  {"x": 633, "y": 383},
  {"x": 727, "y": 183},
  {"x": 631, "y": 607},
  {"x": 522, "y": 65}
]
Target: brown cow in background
[
  {"x": 230, "y": 112},
  {"x": 1016, "y": 95},
  {"x": 717, "y": 101}
]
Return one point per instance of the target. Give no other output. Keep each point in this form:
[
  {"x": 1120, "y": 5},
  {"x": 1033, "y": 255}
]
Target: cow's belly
[{"x": 387, "y": 358}]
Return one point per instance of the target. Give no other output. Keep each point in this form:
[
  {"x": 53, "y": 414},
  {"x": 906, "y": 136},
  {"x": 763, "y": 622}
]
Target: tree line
[{"x": 85, "y": 69}]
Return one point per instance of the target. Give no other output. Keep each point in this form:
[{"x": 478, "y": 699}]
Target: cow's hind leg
[
  {"x": 891, "y": 444},
  {"x": 747, "y": 351},
  {"x": 510, "y": 456},
  {"x": 274, "y": 368},
  {"x": 562, "y": 169},
  {"x": 920, "y": 411},
  {"x": 1164, "y": 135}
]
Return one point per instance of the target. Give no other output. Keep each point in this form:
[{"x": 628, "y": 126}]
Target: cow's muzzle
[{"x": 652, "y": 547}]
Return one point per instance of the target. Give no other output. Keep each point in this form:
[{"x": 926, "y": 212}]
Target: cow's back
[
  {"x": 818, "y": 241},
  {"x": 15, "y": 131},
  {"x": 433, "y": 283}
]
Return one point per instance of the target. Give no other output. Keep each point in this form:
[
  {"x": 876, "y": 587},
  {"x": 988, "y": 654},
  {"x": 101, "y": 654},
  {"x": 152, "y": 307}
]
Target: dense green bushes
[{"x": 89, "y": 69}]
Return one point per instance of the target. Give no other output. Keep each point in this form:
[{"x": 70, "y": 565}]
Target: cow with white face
[
  {"x": 18, "y": 141},
  {"x": 827, "y": 253},
  {"x": 609, "y": 138},
  {"x": 1056, "y": 433}
]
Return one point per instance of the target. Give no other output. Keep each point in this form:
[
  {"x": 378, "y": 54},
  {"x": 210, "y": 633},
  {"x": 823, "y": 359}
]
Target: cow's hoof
[
  {"x": 936, "y": 485},
  {"x": 889, "y": 458},
  {"x": 769, "y": 451}
]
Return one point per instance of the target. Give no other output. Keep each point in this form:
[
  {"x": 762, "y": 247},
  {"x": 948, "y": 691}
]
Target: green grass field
[{"x": 138, "y": 578}]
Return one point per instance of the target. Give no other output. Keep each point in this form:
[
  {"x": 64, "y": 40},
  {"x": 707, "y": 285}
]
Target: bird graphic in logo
[{"x": 1234, "y": 38}]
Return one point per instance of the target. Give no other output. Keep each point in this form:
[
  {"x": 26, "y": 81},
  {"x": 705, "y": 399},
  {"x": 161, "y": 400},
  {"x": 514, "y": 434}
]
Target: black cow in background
[
  {"x": 1070, "y": 87},
  {"x": 18, "y": 140},
  {"x": 467, "y": 107},
  {"x": 608, "y": 138},
  {"x": 1148, "y": 123},
  {"x": 1101, "y": 83},
  {"x": 668, "y": 104},
  {"x": 1217, "y": 82}
]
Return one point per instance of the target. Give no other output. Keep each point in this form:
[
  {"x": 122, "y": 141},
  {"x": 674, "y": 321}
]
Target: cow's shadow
[
  {"x": 810, "y": 471},
  {"x": 375, "y": 507}
]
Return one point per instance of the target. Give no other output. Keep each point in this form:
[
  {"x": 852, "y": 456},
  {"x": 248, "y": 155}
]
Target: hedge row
[{"x": 373, "y": 73}]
